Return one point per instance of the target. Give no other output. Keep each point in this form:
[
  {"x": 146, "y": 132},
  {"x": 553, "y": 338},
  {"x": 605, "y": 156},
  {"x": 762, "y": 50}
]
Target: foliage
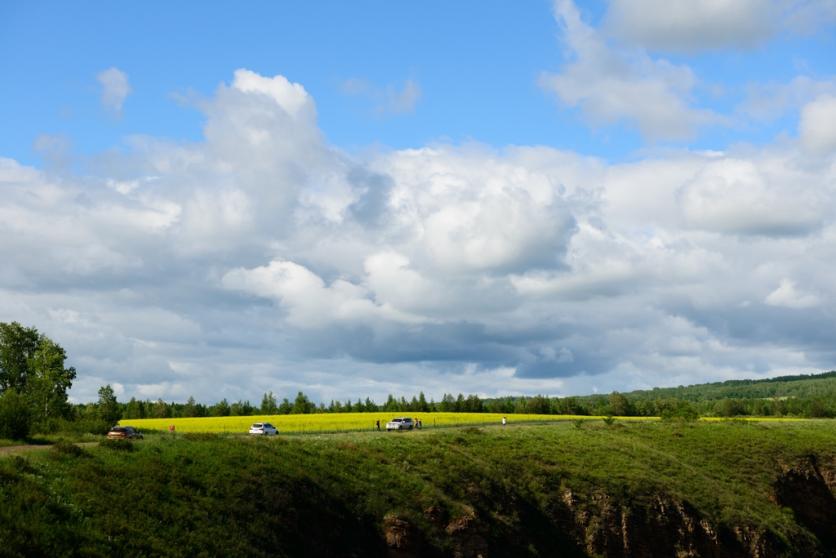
[
  {"x": 15, "y": 415},
  {"x": 33, "y": 365},
  {"x": 108, "y": 407},
  {"x": 794, "y": 396}
]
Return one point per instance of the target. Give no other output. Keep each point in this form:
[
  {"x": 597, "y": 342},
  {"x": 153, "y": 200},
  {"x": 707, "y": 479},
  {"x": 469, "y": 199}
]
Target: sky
[{"x": 355, "y": 199}]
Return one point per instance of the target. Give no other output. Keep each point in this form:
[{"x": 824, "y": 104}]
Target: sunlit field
[
  {"x": 337, "y": 422},
  {"x": 345, "y": 422}
]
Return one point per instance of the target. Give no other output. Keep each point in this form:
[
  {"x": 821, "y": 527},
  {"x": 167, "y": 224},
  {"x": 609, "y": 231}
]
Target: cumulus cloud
[
  {"x": 788, "y": 295},
  {"x": 769, "y": 101},
  {"x": 611, "y": 84},
  {"x": 682, "y": 25},
  {"x": 388, "y": 100},
  {"x": 818, "y": 124},
  {"x": 263, "y": 258},
  {"x": 115, "y": 89}
]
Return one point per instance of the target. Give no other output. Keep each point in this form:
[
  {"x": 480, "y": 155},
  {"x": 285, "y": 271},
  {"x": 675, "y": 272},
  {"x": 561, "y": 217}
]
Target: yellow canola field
[{"x": 336, "y": 422}]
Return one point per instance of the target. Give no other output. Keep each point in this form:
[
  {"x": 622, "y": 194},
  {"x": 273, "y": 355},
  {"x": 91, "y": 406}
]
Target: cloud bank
[{"x": 263, "y": 258}]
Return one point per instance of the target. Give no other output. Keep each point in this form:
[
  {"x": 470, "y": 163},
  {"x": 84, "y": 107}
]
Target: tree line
[
  {"x": 616, "y": 404},
  {"x": 34, "y": 382}
]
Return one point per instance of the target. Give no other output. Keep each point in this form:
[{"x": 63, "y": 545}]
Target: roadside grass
[{"x": 221, "y": 495}]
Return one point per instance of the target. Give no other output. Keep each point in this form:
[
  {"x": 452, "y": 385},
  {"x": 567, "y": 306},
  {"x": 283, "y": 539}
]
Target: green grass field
[{"x": 206, "y": 494}]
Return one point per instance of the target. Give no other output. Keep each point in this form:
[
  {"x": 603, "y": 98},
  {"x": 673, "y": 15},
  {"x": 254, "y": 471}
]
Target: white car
[
  {"x": 263, "y": 429},
  {"x": 400, "y": 423}
]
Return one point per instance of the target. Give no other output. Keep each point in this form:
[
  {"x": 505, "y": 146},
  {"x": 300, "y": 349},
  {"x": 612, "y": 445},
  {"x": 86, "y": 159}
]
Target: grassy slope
[
  {"x": 237, "y": 496},
  {"x": 814, "y": 385}
]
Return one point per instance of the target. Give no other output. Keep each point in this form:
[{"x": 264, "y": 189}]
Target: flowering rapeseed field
[{"x": 336, "y": 422}]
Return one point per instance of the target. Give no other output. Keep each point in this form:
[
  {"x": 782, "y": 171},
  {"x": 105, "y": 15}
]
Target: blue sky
[
  {"x": 476, "y": 63},
  {"x": 492, "y": 197}
]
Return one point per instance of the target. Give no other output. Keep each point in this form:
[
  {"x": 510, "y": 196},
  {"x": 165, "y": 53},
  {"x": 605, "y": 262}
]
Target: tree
[
  {"x": 190, "y": 408},
  {"x": 620, "y": 405},
  {"x": 220, "y": 409},
  {"x": 15, "y": 416},
  {"x": 108, "y": 408},
  {"x": 268, "y": 404},
  {"x": 33, "y": 365},
  {"x": 302, "y": 404},
  {"x": 17, "y": 345}
]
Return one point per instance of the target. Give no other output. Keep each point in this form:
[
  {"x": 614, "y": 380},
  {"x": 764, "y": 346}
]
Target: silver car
[
  {"x": 263, "y": 429},
  {"x": 400, "y": 423}
]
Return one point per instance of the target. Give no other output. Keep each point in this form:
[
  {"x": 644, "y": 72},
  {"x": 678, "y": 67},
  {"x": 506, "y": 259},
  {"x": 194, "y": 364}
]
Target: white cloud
[
  {"x": 818, "y": 125},
  {"x": 751, "y": 197},
  {"x": 388, "y": 100},
  {"x": 688, "y": 25},
  {"x": 769, "y": 101},
  {"x": 309, "y": 301},
  {"x": 115, "y": 89},
  {"x": 611, "y": 84},
  {"x": 263, "y": 258},
  {"x": 787, "y": 295},
  {"x": 683, "y": 25}
]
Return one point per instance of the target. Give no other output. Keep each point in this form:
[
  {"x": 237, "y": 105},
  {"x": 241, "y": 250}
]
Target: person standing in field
[
  {"x": 377, "y": 424},
  {"x": 504, "y": 421}
]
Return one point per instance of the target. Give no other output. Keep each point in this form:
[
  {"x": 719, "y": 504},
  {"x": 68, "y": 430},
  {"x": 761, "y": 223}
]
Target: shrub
[
  {"x": 118, "y": 445},
  {"x": 15, "y": 416},
  {"x": 609, "y": 420},
  {"x": 681, "y": 411},
  {"x": 68, "y": 448}
]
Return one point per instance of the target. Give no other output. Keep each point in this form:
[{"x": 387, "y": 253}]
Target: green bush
[
  {"x": 15, "y": 416},
  {"x": 118, "y": 445}
]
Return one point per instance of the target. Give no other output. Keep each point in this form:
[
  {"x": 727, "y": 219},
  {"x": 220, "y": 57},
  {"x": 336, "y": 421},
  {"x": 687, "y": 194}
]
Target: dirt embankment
[{"x": 600, "y": 524}]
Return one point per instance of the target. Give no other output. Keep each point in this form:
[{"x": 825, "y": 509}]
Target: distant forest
[{"x": 812, "y": 396}]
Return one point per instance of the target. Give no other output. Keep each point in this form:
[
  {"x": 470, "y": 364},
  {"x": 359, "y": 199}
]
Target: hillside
[
  {"x": 637, "y": 489},
  {"x": 800, "y": 386}
]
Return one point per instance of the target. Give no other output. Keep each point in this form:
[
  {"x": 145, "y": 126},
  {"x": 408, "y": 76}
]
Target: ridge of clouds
[{"x": 264, "y": 258}]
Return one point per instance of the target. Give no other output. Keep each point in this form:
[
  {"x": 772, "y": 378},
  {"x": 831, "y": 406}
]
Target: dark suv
[{"x": 124, "y": 433}]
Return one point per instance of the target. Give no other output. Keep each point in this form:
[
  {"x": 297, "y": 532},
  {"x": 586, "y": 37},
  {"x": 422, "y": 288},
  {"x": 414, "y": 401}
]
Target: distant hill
[{"x": 801, "y": 385}]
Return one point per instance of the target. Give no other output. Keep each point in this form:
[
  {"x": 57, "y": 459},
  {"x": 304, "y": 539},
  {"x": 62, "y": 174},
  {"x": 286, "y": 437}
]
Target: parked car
[
  {"x": 400, "y": 423},
  {"x": 124, "y": 433},
  {"x": 263, "y": 429}
]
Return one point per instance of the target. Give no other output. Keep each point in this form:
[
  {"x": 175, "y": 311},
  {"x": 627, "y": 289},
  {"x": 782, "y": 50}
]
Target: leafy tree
[
  {"x": 302, "y": 404},
  {"x": 17, "y": 345},
  {"x": 108, "y": 408},
  {"x": 268, "y": 404},
  {"x": 241, "y": 409},
  {"x": 423, "y": 406},
  {"x": 134, "y": 409},
  {"x": 220, "y": 409},
  {"x": 15, "y": 416},
  {"x": 190, "y": 409},
  {"x": 33, "y": 365},
  {"x": 620, "y": 405}
]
